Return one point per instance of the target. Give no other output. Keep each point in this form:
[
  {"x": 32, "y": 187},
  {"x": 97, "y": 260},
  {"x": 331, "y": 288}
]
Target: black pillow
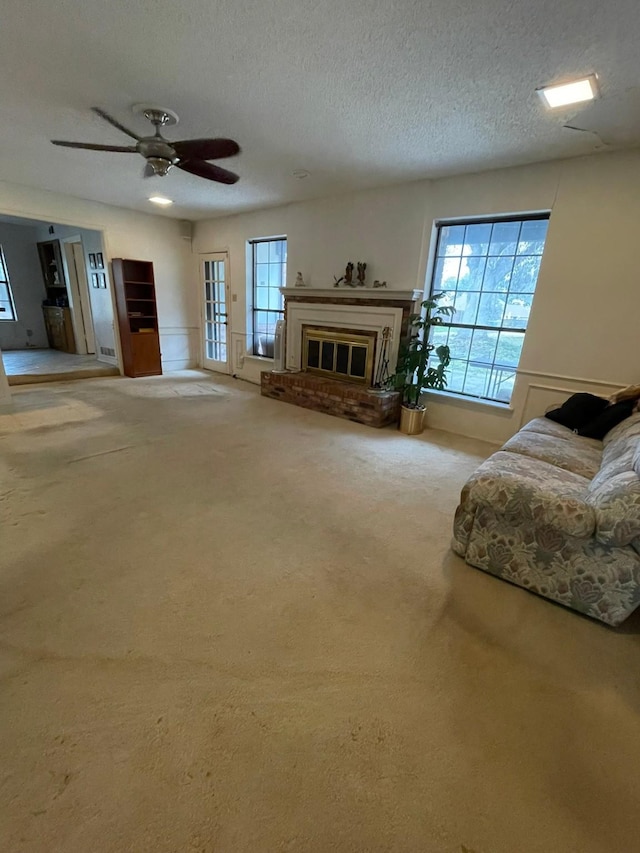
[
  {"x": 579, "y": 409},
  {"x": 599, "y": 426}
]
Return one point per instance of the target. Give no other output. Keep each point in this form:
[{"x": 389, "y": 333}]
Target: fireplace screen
[{"x": 339, "y": 353}]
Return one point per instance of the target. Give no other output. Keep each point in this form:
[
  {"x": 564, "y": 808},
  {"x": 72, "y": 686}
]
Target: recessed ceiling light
[
  {"x": 575, "y": 92},
  {"x": 158, "y": 199}
]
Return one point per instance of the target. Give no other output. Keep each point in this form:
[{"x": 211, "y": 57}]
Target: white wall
[
  {"x": 383, "y": 227},
  {"x": 129, "y": 234},
  {"x": 583, "y": 326},
  {"x": 21, "y": 256},
  {"x": 582, "y": 333}
]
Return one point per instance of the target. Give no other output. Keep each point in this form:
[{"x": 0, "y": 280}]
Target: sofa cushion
[
  {"x": 574, "y": 454},
  {"x": 628, "y": 428},
  {"x": 543, "y": 426},
  {"x": 621, "y": 445},
  {"x": 526, "y": 490},
  {"x": 616, "y": 502},
  {"x": 612, "y": 465}
]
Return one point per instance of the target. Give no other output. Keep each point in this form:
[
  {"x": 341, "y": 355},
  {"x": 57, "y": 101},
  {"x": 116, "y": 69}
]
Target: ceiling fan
[{"x": 190, "y": 155}]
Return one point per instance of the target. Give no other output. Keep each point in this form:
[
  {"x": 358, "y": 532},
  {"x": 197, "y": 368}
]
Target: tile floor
[{"x": 45, "y": 365}]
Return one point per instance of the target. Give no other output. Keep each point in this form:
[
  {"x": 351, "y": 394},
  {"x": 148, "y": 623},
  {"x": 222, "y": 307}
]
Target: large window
[
  {"x": 269, "y": 272},
  {"x": 489, "y": 271},
  {"x": 7, "y": 307}
]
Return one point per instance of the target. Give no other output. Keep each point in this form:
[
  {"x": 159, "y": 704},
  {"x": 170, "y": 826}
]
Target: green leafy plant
[{"x": 413, "y": 374}]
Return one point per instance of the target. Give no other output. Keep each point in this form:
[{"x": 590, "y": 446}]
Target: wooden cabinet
[
  {"x": 59, "y": 328},
  {"x": 135, "y": 292},
  {"x": 51, "y": 262}
]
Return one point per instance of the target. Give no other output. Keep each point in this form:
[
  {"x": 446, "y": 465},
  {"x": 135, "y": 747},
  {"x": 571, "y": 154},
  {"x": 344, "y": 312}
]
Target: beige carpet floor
[{"x": 229, "y": 624}]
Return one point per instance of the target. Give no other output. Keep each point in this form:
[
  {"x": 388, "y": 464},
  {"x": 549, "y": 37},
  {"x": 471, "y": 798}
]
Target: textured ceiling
[{"x": 359, "y": 93}]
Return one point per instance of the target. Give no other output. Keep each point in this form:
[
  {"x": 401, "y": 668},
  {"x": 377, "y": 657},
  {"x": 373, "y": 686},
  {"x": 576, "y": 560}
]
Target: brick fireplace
[{"x": 330, "y": 368}]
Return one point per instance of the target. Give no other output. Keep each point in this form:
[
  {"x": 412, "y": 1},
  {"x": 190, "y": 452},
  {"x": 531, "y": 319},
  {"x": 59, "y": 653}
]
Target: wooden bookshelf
[{"x": 135, "y": 292}]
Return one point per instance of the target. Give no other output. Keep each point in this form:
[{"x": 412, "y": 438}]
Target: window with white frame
[
  {"x": 7, "y": 305},
  {"x": 269, "y": 273},
  {"x": 488, "y": 270}
]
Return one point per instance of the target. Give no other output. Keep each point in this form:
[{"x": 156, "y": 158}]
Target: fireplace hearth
[{"x": 335, "y": 338}]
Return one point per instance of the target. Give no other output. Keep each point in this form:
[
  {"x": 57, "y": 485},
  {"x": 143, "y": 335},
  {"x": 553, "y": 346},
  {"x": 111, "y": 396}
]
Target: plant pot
[{"x": 412, "y": 420}]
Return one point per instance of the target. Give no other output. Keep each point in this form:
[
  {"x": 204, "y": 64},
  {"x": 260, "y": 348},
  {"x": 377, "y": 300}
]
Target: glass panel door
[{"x": 215, "y": 314}]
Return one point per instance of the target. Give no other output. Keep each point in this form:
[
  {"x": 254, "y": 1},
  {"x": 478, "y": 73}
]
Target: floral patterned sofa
[{"x": 559, "y": 515}]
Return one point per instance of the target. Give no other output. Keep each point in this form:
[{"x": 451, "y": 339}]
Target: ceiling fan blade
[
  {"x": 115, "y": 123},
  {"x": 207, "y": 170},
  {"x": 205, "y": 149},
  {"x": 127, "y": 149}
]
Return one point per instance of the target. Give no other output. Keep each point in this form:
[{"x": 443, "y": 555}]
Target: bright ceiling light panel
[
  {"x": 158, "y": 199},
  {"x": 565, "y": 94}
]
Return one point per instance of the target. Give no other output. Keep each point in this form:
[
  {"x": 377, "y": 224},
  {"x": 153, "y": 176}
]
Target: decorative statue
[
  {"x": 361, "y": 273},
  {"x": 377, "y": 283},
  {"x": 299, "y": 281}
]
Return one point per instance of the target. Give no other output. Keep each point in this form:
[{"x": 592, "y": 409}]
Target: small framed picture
[
  {"x": 92, "y": 261},
  {"x": 94, "y": 280},
  {"x": 102, "y": 279},
  {"x": 99, "y": 261}
]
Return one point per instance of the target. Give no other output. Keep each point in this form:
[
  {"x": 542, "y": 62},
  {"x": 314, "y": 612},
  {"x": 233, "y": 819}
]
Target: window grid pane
[
  {"x": 489, "y": 271},
  {"x": 7, "y": 305},
  {"x": 269, "y": 273}
]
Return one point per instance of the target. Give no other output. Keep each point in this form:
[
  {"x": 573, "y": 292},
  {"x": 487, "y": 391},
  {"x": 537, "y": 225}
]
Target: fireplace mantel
[{"x": 380, "y": 294}]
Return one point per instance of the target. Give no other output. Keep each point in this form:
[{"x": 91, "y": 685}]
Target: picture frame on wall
[
  {"x": 102, "y": 279},
  {"x": 99, "y": 261},
  {"x": 94, "y": 280},
  {"x": 92, "y": 262}
]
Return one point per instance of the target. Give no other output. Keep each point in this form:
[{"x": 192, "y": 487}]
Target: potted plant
[{"x": 413, "y": 374}]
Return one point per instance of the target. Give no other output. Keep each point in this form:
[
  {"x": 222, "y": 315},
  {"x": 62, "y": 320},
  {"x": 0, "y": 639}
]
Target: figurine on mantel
[
  {"x": 299, "y": 281},
  {"x": 347, "y": 278},
  {"x": 348, "y": 275}
]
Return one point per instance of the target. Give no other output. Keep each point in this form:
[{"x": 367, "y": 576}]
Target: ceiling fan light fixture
[
  {"x": 160, "y": 165},
  {"x": 158, "y": 199},
  {"x": 566, "y": 94}
]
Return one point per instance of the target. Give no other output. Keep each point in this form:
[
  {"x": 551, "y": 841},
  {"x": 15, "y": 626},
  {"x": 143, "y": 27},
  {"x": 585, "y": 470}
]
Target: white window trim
[
  {"x": 429, "y": 283},
  {"x": 7, "y": 281}
]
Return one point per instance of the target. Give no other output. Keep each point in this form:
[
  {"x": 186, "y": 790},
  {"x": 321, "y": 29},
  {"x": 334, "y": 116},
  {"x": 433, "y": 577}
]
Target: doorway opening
[{"x": 61, "y": 320}]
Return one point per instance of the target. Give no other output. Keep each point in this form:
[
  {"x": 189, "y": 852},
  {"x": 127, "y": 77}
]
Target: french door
[{"x": 215, "y": 317}]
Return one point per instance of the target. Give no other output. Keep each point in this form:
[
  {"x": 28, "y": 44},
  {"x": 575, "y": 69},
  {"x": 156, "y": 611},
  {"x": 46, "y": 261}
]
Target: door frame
[{"x": 221, "y": 255}]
